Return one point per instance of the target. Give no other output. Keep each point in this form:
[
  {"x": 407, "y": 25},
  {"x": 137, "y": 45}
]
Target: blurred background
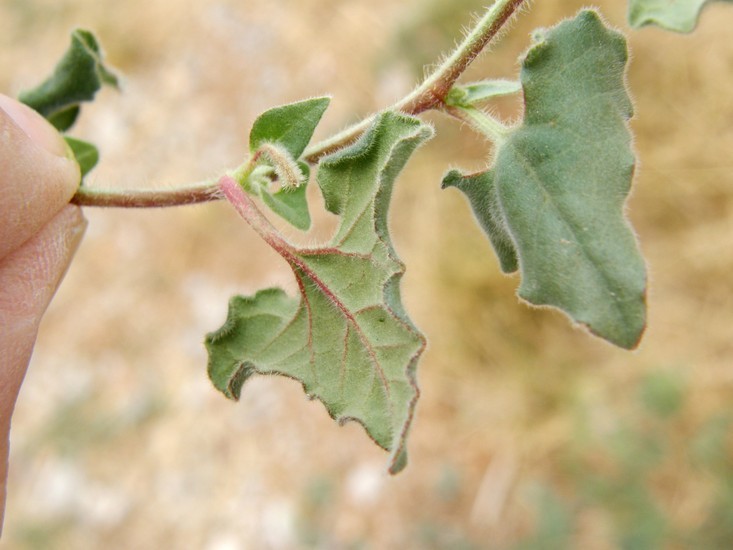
[{"x": 530, "y": 434}]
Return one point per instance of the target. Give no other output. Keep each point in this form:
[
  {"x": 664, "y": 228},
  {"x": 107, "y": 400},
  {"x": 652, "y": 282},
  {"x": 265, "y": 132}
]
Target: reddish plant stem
[
  {"x": 432, "y": 92},
  {"x": 441, "y": 83},
  {"x": 429, "y": 95},
  {"x": 146, "y": 198},
  {"x": 246, "y": 207}
]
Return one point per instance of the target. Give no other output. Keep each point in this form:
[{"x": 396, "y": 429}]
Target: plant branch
[
  {"x": 192, "y": 194},
  {"x": 246, "y": 207},
  {"x": 429, "y": 95},
  {"x": 432, "y": 92}
]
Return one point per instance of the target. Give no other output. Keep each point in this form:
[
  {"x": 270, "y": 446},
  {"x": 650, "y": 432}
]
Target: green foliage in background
[{"x": 613, "y": 475}]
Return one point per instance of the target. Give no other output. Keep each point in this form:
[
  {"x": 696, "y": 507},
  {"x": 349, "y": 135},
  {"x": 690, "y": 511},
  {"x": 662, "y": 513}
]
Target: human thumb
[
  {"x": 39, "y": 233},
  {"x": 38, "y": 175}
]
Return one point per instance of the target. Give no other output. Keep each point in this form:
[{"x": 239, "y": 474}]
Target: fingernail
[{"x": 38, "y": 129}]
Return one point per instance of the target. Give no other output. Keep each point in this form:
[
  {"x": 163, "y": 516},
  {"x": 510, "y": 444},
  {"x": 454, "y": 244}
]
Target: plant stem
[
  {"x": 481, "y": 121},
  {"x": 246, "y": 207},
  {"x": 192, "y": 194},
  {"x": 433, "y": 90},
  {"x": 428, "y": 95}
]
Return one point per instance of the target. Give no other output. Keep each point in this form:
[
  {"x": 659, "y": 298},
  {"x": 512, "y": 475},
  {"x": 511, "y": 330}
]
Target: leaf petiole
[
  {"x": 246, "y": 207},
  {"x": 482, "y": 122}
]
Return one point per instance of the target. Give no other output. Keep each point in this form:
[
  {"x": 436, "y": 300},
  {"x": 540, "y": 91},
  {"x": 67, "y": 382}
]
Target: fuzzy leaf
[
  {"x": 481, "y": 193},
  {"x": 347, "y": 339},
  {"x": 77, "y": 78},
  {"x": 470, "y": 94},
  {"x": 674, "y": 15},
  {"x": 564, "y": 175},
  {"x": 85, "y": 153},
  {"x": 291, "y": 126},
  {"x": 561, "y": 179}
]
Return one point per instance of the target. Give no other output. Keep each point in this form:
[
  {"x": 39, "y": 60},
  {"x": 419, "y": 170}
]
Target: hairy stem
[
  {"x": 192, "y": 194},
  {"x": 246, "y": 207},
  {"x": 429, "y": 95},
  {"x": 433, "y": 90},
  {"x": 481, "y": 121}
]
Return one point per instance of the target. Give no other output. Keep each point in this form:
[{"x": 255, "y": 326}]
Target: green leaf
[
  {"x": 64, "y": 119},
  {"x": 674, "y": 15},
  {"x": 290, "y": 203},
  {"x": 562, "y": 177},
  {"x": 291, "y": 126},
  {"x": 470, "y": 94},
  {"x": 281, "y": 135},
  {"x": 85, "y": 153},
  {"x": 481, "y": 193},
  {"x": 347, "y": 339},
  {"x": 77, "y": 77}
]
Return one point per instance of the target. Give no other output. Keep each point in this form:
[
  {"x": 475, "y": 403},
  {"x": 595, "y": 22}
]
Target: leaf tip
[
  {"x": 623, "y": 328},
  {"x": 399, "y": 462},
  {"x": 452, "y": 178},
  {"x": 290, "y": 125}
]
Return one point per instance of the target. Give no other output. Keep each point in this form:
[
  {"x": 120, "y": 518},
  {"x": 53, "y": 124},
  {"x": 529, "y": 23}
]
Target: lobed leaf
[
  {"x": 347, "y": 339},
  {"x": 560, "y": 179},
  {"x": 674, "y": 15},
  {"x": 77, "y": 77}
]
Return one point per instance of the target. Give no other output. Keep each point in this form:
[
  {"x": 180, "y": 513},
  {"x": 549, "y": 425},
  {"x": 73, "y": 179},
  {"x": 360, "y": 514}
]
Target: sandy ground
[{"x": 529, "y": 433}]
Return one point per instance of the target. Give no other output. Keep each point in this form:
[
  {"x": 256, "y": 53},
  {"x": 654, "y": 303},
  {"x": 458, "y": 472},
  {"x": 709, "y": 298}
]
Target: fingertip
[
  {"x": 43, "y": 135},
  {"x": 37, "y": 128},
  {"x": 37, "y": 177}
]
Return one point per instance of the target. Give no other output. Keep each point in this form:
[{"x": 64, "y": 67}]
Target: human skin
[{"x": 39, "y": 233}]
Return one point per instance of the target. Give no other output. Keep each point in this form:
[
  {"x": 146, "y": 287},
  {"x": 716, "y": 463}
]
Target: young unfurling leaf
[
  {"x": 468, "y": 95},
  {"x": 287, "y": 130}
]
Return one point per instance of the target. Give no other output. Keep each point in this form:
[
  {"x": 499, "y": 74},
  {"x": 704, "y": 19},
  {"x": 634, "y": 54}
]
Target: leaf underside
[
  {"x": 559, "y": 182},
  {"x": 347, "y": 338},
  {"x": 481, "y": 193},
  {"x": 674, "y": 15},
  {"x": 291, "y": 204}
]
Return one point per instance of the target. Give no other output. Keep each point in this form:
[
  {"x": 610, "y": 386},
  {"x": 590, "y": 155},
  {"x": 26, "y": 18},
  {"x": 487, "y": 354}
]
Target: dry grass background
[{"x": 120, "y": 442}]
